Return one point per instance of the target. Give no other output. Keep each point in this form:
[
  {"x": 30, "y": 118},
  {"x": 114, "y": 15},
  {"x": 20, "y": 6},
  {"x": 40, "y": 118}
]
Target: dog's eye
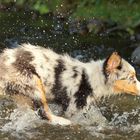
[{"x": 119, "y": 67}]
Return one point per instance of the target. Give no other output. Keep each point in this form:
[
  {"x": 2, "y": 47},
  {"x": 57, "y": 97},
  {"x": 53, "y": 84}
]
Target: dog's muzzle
[
  {"x": 124, "y": 86},
  {"x": 138, "y": 87}
]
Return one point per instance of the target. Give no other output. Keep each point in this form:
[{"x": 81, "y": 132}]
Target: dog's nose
[{"x": 138, "y": 87}]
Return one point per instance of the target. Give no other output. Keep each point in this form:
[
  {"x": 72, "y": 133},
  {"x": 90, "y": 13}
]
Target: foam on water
[
  {"x": 24, "y": 120},
  {"x": 91, "y": 117}
]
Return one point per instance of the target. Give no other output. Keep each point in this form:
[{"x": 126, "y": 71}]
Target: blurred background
[
  {"x": 85, "y": 29},
  {"x": 69, "y": 23}
]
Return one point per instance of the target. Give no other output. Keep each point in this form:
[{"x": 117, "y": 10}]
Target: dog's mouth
[{"x": 124, "y": 86}]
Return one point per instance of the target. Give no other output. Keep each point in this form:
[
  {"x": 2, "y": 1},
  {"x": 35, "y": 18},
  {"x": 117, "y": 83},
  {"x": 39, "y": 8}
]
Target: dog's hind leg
[{"x": 50, "y": 116}]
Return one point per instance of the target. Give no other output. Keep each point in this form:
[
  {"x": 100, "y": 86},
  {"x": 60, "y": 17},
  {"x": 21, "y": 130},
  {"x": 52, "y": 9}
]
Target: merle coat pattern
[{"x": 42, "y": 75}]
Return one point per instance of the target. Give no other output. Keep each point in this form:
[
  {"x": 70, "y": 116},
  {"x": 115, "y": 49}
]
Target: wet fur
[{"x": 70, "y": 83}]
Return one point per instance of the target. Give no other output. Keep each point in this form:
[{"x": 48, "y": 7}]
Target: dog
[{"x": 43, "y": 75}]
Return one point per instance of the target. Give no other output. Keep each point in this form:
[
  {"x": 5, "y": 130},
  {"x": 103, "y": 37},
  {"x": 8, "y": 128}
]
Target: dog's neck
[{"x": 97, "y": 79}]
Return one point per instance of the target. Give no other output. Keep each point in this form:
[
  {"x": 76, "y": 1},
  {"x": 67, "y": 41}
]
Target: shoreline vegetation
[{"x": 99, "y": 14}]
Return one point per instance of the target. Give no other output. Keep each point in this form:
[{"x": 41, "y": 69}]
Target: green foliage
[
  {"x": 125, "y": 12},
  {"x": 119, "y": 11},
  {"x": 42, "y": 7},
  {"x": 20, "y": 2}
]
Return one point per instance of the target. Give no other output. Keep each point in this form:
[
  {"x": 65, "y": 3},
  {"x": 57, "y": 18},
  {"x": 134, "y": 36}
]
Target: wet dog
[{"x": 41, "y": 75}]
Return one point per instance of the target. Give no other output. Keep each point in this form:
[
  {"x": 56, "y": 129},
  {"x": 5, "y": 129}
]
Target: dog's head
[{"x": 121, "y": 75}]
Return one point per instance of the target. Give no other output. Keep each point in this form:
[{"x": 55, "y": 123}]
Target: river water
[{"x": 114, "y": 118}]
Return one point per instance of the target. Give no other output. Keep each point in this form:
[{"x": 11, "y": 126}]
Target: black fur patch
[
  {"x": 104, "y": 69},
  {"x": 84, "y": 91},
  {"x": 14, "y": 88},
  {"x": 59, "y": 91},
  {"x": 22, "y": 63}
]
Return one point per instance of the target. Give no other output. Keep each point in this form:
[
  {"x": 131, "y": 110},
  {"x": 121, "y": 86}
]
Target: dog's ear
[{"x": 113, "y": 62}]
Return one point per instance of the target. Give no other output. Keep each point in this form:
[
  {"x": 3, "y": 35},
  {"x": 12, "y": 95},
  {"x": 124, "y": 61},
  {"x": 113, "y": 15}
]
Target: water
[
  {"x": 24, "y": 123},
  {"x": 113, "y": 118}
]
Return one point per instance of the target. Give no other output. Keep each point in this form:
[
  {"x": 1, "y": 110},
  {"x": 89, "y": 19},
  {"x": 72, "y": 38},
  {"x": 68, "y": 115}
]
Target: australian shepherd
[{"x": 42, "y": 75}]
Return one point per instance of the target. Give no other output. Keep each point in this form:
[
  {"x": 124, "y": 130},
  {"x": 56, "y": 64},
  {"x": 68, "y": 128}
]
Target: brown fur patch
[
  {"x": 124, "y": 86},
  {"x": 43, "y": 98},
  {"x": 113, "y": 62},
  {"x": 22, "y": 63}
]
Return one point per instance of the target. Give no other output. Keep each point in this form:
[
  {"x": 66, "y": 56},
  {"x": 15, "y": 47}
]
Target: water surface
[{"x": 121, "y": 112}]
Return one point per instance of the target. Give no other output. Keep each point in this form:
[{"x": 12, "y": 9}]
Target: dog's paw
[{"x": 59, "y": 120}]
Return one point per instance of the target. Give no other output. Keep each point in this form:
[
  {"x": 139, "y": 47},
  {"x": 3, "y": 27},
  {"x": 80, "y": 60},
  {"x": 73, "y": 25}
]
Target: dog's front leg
[{"x": 49, "y": 115}]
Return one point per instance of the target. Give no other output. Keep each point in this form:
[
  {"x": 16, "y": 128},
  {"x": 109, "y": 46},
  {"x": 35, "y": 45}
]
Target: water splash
[
  {"x": 25, "y": 123},
  {"x": 22, "y": 119},
  {"x": 92, "y": 116}
]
